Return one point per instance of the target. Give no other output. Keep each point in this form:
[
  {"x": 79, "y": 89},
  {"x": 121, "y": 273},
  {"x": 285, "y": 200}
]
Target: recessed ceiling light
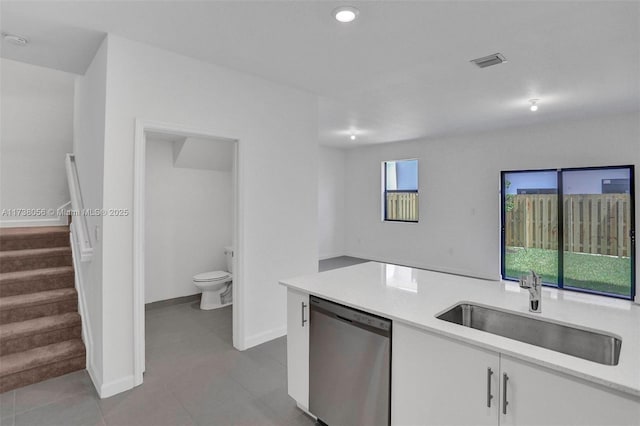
[
  {"x": 15, "y": 39},
  {"x": 345, "y": 14},
  {"x": 352, "y": 137},
  {"x": 534, "y": 104}
]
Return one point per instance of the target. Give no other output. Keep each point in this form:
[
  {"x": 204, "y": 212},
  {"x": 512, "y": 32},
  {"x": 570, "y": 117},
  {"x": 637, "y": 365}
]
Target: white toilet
[{"x": 216, "y": 285}]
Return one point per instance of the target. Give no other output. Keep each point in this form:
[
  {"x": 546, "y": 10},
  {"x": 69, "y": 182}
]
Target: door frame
[{"x": 139, "y": 221}]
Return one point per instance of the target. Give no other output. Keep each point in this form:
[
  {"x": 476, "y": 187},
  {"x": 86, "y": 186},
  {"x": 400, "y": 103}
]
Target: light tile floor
[{"x": 194, "y": 377}]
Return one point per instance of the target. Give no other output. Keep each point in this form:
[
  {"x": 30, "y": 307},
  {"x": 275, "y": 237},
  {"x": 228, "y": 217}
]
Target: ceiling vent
[{"x": 487, "y": 61}]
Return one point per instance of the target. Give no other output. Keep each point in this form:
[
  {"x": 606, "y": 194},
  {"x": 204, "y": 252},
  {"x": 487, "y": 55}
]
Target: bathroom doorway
[{"x": 185, "y": 206}]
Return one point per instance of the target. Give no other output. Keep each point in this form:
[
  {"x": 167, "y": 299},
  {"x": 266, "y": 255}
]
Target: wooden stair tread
[
  {"x": 39, "y": 298},
  {"x": 21, "y": 361},
  {"x": 39, "y": 252},
  {"x": 34, "y": 274},
  {"x": 16, "y": 330},
  {"x": 33, "y": 231}
]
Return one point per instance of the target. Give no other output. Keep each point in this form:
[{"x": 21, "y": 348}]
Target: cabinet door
[
  {"x": 538, "y": 396},
  {"x": 438, "y": 381},
  {"x": 298, "y": 347}
]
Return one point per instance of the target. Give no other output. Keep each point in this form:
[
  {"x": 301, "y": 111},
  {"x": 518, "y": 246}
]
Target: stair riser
[
  {"x": 52, "y": 282},
  {"x": 27, "y": 263},
  {"x": 38, "y": 374},
  {"x": 21, "y": 243},
  {"x": 10, "y": 346},
  {"x": 43, "y": 310}
]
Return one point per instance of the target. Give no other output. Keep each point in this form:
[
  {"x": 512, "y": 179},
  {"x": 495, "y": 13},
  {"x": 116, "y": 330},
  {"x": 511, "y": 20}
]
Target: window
[
  {"x": 574, "y": 227},
  {"x": 400, "y": 189}
]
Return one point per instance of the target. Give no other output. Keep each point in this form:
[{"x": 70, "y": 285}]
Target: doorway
[{"x": 148, "y": 133}]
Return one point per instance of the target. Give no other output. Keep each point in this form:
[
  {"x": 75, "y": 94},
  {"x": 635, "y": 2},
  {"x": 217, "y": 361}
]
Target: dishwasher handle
[
  {"x": 351, "y": 316},
  {"x": 344, "y": 319}
]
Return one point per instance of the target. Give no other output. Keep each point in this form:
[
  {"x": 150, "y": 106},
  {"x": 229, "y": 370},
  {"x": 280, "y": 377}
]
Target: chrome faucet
[{"x": 533, "y": 283}]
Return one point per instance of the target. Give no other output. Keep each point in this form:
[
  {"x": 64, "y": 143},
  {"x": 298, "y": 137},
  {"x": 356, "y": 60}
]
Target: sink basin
[{"x": 590, "y": 345}]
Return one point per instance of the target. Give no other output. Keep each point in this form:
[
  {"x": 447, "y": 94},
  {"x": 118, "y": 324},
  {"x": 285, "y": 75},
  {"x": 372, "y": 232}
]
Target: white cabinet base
[
  {"x": 437, "y": 381},
  {"x": 298, "y": 348},
  {"x": 538, "y": 396}
]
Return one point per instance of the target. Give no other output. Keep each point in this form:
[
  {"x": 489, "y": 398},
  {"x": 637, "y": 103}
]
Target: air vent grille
[{"x": 487, "y": 61}]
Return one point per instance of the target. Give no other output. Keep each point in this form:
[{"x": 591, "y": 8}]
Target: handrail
[{"x": 79, "y": 225}]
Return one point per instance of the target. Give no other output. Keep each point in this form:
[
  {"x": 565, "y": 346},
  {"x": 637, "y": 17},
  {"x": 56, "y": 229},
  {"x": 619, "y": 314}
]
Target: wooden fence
[
  {"x": 597, "y": 223},
  {"x": 402, "y": 206}
]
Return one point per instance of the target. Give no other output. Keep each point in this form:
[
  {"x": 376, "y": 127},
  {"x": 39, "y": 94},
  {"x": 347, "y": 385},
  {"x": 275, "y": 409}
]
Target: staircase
[{"x": 40, "y": 328}]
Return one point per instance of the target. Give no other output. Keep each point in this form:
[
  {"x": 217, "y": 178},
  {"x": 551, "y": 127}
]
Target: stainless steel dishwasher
[{"x": 349, "y": 365}]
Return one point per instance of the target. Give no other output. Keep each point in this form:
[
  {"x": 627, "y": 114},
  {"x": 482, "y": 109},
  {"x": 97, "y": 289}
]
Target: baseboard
[
  {"x": 19, "y": 223},
  {"x": 84, "y": 315},
  {"x": 174, "y": 301},
  {"x": 306, "y": 410},
  {"x": 116, "y": 386},
  {"x": 94, "y": 376},
  {"x": 87, "y": 338},
  {"x": 260, "y": 338}
]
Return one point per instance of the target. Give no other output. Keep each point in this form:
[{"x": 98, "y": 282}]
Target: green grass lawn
[{"x": 589, "y": 271}]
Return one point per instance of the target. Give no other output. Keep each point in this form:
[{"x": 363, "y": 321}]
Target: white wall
[
  {"x": 459, "y": 189},
  {"x": 207, "y": 154},
  {"x": 331, "y": 202},
  {"x": 277, "y": 132},
  {"x": 188, "y": 223},
  {"x": 88, "y": 147},
  {"x": 36, "y": 134}
]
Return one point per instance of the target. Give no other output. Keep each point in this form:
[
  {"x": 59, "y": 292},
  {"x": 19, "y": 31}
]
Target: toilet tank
[{"x": 228, "y": 252}]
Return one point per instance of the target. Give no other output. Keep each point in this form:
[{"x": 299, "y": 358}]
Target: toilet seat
[{"x": 211, "y": 276}]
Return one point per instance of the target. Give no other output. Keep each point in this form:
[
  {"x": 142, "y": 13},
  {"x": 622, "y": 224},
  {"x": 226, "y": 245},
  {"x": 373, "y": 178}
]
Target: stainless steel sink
[{"x": 590, "y": 345}]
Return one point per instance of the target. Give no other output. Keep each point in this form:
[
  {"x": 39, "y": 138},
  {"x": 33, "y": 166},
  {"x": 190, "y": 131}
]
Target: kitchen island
[{"x": 433, "y": 360}]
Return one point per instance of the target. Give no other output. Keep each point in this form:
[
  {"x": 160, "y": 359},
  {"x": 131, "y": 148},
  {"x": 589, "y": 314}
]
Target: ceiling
[{"x": 400, "y": 71}]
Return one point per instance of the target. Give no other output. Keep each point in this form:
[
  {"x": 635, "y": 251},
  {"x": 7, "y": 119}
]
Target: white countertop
[{"x": 416, "y": 297}]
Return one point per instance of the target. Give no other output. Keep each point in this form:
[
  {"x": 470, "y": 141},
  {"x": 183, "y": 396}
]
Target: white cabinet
[
  {"x": 437, "y": 381},
  {"x": 537, "y": 396},
  {"x": 298, "y": 347}
]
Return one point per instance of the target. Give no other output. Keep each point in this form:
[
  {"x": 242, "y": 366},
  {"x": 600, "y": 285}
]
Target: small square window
[{"x": 400, "y": 188}]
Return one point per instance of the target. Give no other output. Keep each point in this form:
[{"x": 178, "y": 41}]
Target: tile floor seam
[
  {"x": 54, "y": 401},
  {"x": 94, "y": 399},
  {"x": 104, "y": 418},
  {"x": 274, "y": 357},
  {"x": 240, "y": 384},
  {"x": 193, "y": 419},
  {"x": 12, "y": 414}
]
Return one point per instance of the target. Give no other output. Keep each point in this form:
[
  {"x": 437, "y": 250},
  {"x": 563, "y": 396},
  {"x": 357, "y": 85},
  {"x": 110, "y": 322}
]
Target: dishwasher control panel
[{"x": 346, "y": 313}]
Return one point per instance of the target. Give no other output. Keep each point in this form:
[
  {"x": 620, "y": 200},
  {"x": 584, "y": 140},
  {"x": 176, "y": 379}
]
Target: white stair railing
[{"x": 79, "y": 226}]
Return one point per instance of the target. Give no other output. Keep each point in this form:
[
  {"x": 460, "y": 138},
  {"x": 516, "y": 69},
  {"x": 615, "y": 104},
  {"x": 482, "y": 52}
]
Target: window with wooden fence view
[
  {"x": 585, "y": 243},
  {"x": 400, "y": 191}
]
